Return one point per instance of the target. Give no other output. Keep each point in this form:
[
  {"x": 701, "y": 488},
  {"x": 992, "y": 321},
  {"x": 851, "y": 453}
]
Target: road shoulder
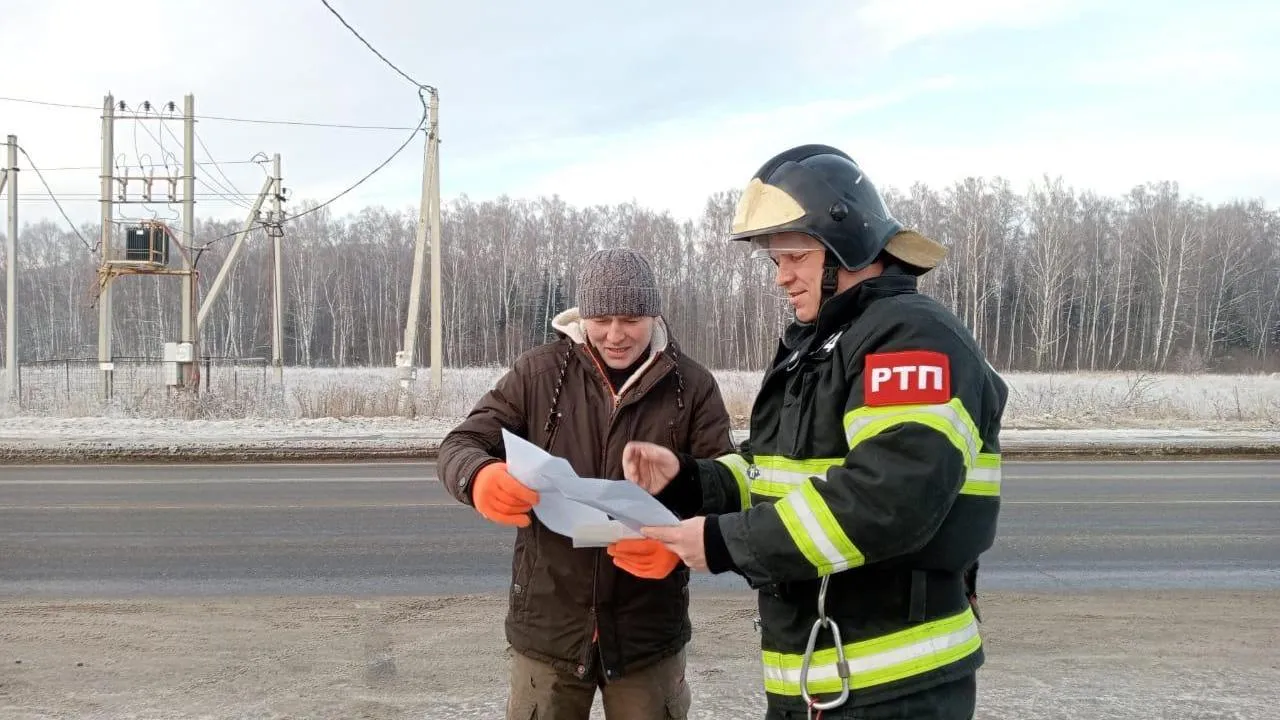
[
  {"x": 78, "y": 440},
  {"x": 1060, "y": 655}
]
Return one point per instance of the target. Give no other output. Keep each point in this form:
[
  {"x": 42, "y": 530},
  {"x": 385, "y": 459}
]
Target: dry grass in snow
[
  {"x": 1132, "y": 399},
  {"x": 1036, "y": 400}
]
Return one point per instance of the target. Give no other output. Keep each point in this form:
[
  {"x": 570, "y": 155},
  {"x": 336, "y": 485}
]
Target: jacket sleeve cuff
[
  {"x": 469, "y": 478},
  {"x": 683, "y": 495},
  {"x": 716, "y": 550}
]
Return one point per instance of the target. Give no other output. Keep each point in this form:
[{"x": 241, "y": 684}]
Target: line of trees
[{"x": 1048, "y": 279}]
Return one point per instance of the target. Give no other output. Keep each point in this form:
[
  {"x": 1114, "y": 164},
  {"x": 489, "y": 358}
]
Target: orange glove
[
  {"x": 644, "y": 557},
  {"x": 502, "y": 498}
]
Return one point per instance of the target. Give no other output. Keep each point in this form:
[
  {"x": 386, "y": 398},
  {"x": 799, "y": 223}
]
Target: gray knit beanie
[{"x": 617, "y": 281}]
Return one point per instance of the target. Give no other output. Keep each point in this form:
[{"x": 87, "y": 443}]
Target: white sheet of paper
[
  {"x": 525, "y": 461},
  {"x": 601, "y": 534},
  {"x": 580, "y": 508},
  {"x": 626, "y": 502},
  {"x": 564, "y": 516}
]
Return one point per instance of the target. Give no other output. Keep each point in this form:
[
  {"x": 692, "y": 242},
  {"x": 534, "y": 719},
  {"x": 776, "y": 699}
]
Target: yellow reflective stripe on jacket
[
  {"x": 815, "y": 531},
  {"x": 982, "y": 470},
  {"x": 950, "y": 419},
  {"x": 880, "y": 660},
  {"x": 984, "y": 477},
  {"x": 777, "y": 476},
  {"x": 738, "y": 466}
]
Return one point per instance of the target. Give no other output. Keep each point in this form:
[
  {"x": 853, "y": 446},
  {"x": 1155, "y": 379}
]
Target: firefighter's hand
[
  {"x": 650, "y": 466},
  {"x": 684, "y": 540},
  {"x": 502, "y": 498}
]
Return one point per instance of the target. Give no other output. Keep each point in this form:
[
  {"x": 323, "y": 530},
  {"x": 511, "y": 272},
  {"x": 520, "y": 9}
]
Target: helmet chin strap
[{"x": 830, "y": 276}]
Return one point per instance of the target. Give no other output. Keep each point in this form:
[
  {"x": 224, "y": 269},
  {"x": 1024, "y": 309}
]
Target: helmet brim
[
  {"x": 765, "y": 209},
  {"x": 917, "y": 250}
]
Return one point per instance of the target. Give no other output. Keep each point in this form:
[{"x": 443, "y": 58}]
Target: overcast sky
[{"x": 608, "y": 102}]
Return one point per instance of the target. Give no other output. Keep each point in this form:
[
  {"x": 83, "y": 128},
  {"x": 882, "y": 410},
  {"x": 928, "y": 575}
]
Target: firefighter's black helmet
[{"x": 820, "y": 191}]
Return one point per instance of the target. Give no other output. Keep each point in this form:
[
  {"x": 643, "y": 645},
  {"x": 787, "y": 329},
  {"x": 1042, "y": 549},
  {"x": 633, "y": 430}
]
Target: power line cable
[
  {"x": 218, "y": 166},
  {"x": 302, "y": 123},
  {"x": 225, "y": 118},
  {"x": 206, "y": 198},
  {"x": 280, "y": 221},
  {"x": 231, "y": 193},
  {"x": 151, "y": 165},
  {"x": 422, "y": 88},
  {"x": 32, "y": 163},
  {"x": 374, "y": 50},
  {"x": 421, "y": 124},
  {"x": 219, "y": 191},
  {"x": 81, "y": 195}
]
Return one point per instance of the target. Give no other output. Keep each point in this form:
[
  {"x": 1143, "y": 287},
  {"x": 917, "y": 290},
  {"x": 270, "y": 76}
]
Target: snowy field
[{"x": 1061, "y": 400}]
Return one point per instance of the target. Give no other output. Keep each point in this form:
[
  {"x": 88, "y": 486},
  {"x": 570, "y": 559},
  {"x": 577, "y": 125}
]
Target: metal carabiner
[{"x": 842, "y": 664}]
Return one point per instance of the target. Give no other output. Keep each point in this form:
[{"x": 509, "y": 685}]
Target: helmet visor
[{"x": 782, "y": 246}]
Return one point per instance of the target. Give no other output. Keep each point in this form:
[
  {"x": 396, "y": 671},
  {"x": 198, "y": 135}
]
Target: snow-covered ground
[
  {"x": 1084, "y": 400},
  {"x": 329, "y": 410}
]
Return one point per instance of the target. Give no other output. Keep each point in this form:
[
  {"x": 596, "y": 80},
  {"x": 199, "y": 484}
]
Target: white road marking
[
  {"x": 1141, "y": 502},
  {"x": 208, "y": 481},
  {"x": 234, "y": 506}
]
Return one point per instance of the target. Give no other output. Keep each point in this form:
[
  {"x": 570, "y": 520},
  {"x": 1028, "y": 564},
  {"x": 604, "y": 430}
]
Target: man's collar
[{"x": 844, "y": 307}]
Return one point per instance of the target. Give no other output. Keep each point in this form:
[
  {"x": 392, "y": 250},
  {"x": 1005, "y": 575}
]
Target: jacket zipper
[
  {"x": 604, "y": 379},
  {"x": 604, "y": 456}
]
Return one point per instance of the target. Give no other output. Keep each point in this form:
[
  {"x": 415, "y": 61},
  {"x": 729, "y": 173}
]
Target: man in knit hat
[
  {"x": 619, "y": 304},
  {"x": 577, "y": 622}
]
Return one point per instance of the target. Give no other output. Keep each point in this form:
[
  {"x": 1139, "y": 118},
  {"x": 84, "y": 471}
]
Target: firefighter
[{"x": 870, "y": 482}]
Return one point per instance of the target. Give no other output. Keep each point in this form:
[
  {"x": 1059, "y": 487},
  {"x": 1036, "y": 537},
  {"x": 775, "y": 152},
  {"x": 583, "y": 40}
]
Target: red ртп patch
[{"x": 909, "y": 377}]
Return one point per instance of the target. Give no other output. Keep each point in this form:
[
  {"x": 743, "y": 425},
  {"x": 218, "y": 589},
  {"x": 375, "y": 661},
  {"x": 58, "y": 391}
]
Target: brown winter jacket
[{"x": 560, "y": 596}]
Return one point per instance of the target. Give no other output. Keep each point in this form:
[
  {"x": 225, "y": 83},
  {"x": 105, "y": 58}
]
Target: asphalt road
[{"x": 391, "y": 528}]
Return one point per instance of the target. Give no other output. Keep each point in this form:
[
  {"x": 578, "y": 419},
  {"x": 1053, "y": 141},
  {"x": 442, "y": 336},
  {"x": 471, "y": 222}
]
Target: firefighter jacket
[{"x": 873, "y": 458}]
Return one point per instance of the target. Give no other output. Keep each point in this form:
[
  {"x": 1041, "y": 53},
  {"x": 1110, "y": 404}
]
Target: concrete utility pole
[
  {"x": 277, "y": 291},
  {"x": 270, "y": 187},
  {"x": 428, "y": 219},
  {"x": 104, "y": 298},
  {"x": 12, "y": 388},
  {"x": 437, "y": 311},
  {"x": 191, "y": 368},
  {"x": 215, "y": 289}
]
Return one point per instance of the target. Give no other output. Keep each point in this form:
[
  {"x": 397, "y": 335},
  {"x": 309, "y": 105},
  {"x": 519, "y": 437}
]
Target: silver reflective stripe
[
  {"x": 776, "y": 476},
  {"x": 987, "y": 475},
  {"x": 791, "y": 478},
  {"x": 984, "y": 478}
]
